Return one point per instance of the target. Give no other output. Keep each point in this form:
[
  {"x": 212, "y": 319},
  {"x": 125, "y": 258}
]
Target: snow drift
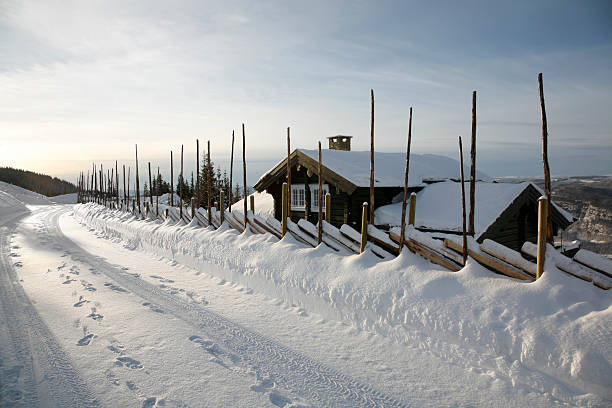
[{"x": 556, "y": 327}]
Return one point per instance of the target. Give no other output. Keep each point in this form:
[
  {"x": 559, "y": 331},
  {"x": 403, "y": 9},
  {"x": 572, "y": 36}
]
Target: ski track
[
  {"x": 232, "y": 345},
  {"x": 32, "y": 362}
]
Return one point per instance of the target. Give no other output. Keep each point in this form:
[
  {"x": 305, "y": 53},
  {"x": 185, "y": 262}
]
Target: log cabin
[
  {"x": 505, "y": 213},
  {"x": 346, "y": 177}
]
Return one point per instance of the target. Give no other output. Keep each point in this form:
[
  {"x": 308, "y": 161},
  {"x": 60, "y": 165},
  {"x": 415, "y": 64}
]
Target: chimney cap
[{"x": 333, "y": 137}]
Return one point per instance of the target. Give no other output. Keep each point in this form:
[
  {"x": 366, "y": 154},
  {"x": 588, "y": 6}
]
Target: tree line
[{"x": 37, "y": 182}]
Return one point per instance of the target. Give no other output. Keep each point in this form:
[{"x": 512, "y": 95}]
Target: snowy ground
[{"x": 99, "y": 310}]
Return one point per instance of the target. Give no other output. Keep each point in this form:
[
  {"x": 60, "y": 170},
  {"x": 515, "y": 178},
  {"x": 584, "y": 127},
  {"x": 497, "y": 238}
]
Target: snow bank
[
  {"x": 264, "y": 204},
  {"x": 554, "y": 330}
]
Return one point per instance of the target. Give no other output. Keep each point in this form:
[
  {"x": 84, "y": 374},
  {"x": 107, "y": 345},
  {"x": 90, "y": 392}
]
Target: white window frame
[
  {"x": 314, "y": 200},
  {"x": 298, "y": 189}
]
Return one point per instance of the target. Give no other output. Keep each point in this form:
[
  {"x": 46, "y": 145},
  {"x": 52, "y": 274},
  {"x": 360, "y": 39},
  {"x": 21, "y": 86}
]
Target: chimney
[{"x": 340, "y": 142}]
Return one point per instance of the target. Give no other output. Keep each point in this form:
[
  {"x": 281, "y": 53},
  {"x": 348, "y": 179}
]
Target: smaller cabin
[{"x": 506, "y": 213}]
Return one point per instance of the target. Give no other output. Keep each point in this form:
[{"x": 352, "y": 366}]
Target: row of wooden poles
[
  {"x": 90, "y": 191},
  {"x": 104, "y": 188}
]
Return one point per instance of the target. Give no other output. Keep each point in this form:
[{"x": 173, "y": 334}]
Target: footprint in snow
[
  {"x": 18, "y": 264},
  {"x": 67, "y": 281},
  {"x": 85, "y": 340},
  {"x": 81, "y": 302},
  {"x": 13, "y": 395},
  {"x": 95, "y": 316},
  {"x": 264, "y": 386},
  {"x": 149, "y": 402},
  {"x": 129, "y": 363},
  {"x": 153, "y": 307},
  {"x": 14, "y": 255},
  {"x": 131, "y": 385},
  {"x": 114, "y": 287},
  {"x": 279, "y": 400},
  {"x": 117, "y": 348}
]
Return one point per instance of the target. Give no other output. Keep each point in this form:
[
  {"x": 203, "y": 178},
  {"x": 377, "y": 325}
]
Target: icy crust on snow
[{"x": 555, "y": 329}]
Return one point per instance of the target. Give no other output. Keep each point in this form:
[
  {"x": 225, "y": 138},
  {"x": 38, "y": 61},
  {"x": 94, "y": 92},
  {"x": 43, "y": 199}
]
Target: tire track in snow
[
  {"x": 291, "y": 370},
  {"x": 41, "y": 370}
]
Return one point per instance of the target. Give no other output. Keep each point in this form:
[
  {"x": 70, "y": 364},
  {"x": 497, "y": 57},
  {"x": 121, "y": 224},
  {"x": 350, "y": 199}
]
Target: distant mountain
[
  {"x": 589, "y": 199},
  {"x": 40, "y": 183}
]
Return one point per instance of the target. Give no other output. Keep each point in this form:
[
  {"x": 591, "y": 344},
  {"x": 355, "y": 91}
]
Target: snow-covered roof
[
  {"x": 264, "y": 204},
  {"x": 388, "y": 167},
  {"x": 438, "y": 206}
]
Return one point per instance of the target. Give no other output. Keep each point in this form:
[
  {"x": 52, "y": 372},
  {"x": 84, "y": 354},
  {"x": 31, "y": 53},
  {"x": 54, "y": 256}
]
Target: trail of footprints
[
  {"x": 265, "y": 385},
  {"x": 121, "y": 359}
]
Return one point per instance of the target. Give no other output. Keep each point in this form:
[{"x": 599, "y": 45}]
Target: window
[
  {"x": 298, "y": 195},
  {"x": 314, "y": 204}
]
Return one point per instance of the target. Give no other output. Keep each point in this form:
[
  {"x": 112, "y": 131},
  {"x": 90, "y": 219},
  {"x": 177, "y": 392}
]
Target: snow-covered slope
[
  {"x": 552, "y": 332},
  {"x": 23, "y": 195}
]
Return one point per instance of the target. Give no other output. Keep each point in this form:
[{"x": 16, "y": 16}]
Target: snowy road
[
  {"x": 35, "y": 369},
  {"x": 89, "y": 321},
  {"x": 234, "y": 345}
]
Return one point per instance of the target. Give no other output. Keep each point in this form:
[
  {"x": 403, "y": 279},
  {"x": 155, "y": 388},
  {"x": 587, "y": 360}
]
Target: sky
[{"x": 84, "y": 81}]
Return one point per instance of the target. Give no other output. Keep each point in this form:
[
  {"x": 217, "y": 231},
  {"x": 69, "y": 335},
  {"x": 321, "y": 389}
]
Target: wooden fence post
[
  {"x": 252, "y": 203},
  {"x": 542, "y": 234},
  {"x": 192, "y": 207},
  {"x": 284, "y": 210},
  {"x": 328, "y": 207},
  {"x": 403, "y": 220},
  {"x": 412, "y": 208},
  {"x": 197, "y": 188},
  {"x": 222, "y": 205},
  {"x": 157, "y": 187},
  {"x": 150, "y": 186},
  {"x": 289, "y": 171},
  {"x": 209, "y": 184},
  {"x": 473, "y": 168},
  {"x": 549, "y": 233},
  {"x": 231, "y": 175},
  {"x": 372, "y": 161},
  {"x": 244, "y": 175},
  {"x": 320, "y": 199},
  {"x": 465, "y": 248},
  {"x": 137, "y": 181},
  {"x": 181, "y": 183},
  {"x": 117, "y": 182},
  {"x": 364, "y": 227}
]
